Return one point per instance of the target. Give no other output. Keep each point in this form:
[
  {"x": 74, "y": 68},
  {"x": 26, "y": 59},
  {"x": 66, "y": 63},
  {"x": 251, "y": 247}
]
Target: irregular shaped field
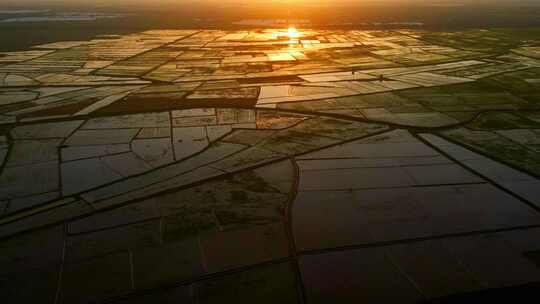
[{"x": 255, "y": 166}]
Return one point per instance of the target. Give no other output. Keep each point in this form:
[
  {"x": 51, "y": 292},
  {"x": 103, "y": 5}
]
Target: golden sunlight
[{"x": 293, "y": 33}]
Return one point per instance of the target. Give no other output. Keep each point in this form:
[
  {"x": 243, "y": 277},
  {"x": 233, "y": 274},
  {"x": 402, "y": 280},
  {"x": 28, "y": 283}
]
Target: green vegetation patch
[
  {"x": 239, "y": 201},
  {"x": 480, "y": 40},
  {"x": 502, "y": 121},
  {"x": 470, "y": 97},
  {"x": 498, "y": 147},
  {"x": 525, "y": 84}
]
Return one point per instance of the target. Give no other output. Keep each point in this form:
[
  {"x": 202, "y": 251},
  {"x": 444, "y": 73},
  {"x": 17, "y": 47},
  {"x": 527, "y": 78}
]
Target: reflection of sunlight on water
[
  {"x": 290, "y": 41},
  {"x": 293, "y": 33}
]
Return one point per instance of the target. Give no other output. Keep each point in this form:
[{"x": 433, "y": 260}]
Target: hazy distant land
[{"x": 24, "y": 26}]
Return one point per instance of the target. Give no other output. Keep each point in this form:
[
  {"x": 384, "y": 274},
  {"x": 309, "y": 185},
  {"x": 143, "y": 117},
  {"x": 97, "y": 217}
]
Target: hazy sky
[
  {"x": 269, "y": 1},
  {"x": 156, "y": 3}
]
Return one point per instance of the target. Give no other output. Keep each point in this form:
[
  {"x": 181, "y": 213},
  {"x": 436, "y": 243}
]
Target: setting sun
[{"x": 271, "y": 152}]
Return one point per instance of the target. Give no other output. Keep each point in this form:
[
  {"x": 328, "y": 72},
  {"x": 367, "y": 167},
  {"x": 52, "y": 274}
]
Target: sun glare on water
[{"x": 293, "y": 33}]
